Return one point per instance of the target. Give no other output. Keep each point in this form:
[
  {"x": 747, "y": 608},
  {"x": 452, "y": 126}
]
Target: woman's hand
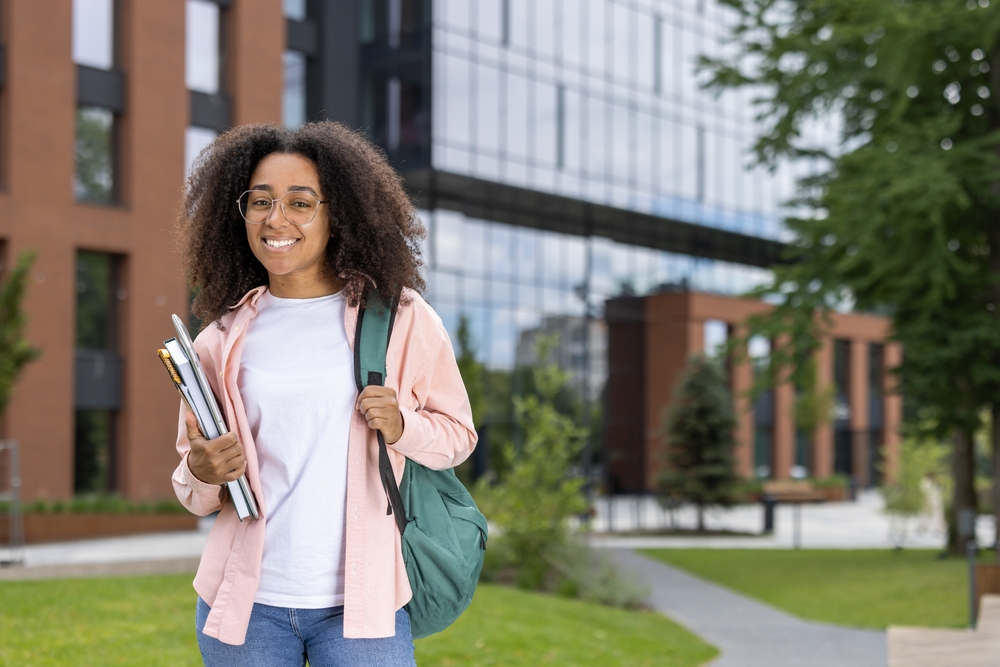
[
  {"x": 214, "y": 461},
  {"x": 381, "y": 411}
]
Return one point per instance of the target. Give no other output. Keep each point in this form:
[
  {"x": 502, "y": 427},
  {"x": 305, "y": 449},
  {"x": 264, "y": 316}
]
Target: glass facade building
[
  {"x": 562, "y": 153},
  {"x": 592, "y": 100}
]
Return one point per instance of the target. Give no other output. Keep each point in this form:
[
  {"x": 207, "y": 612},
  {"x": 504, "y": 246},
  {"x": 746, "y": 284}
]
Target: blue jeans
[{"x": 279, "y": 637}]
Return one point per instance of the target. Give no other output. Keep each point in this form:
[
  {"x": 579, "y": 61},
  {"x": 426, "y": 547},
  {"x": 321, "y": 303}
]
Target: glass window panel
[
  {"x": 202, "y": 46},
  {"x": 457, "y": 15},
  {"x": 517, "y": 116},
  {"x": 552, "y": 300},
  {"x": 622, "y": 43},
  {"x": 195, "y": 141},
  {"x": 295, "y": 9},
  {"x": 444, "y": 286},
  {"x": 474, "y": 292},
  {"x": 500, "y": 242},
  {"x": 575, "y": 260},
  {"x": 544, "y": 26},
  {"x": 489, "y": 19},
  {"x": 93, "y": 33},
  {"x": 96, "y": 301},
  {"x": 716, "y": 335},
  {"x": 620, "y": 143},
  {"x": 502, "y": 293},
  {"x": 572, "y": 15},
  {"x": 645, "y": 48},
  {"x": 646, "y": 147},
  {"x": 520, "y": 14},
  {"x": 487, "y": 102},
  {"x": 571, "y": 132},
  {"x": 457, "y": 99},
  {"x": 551, "y": 258},
  {"x": 597, "y": 36},
  {"x": 546, "y": 124},
  {"x": 293, "y": 103},
  {"x": 94, "y": 177},
  {"x": 597, "y": 162},
  {"x": 448, "y": 239},
  {"x": 474, "y": 247},
  {"x": 526, "y": 260}
]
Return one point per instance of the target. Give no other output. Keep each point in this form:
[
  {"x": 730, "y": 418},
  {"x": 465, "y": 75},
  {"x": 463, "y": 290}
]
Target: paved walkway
[{"x": 747, "y": 632}]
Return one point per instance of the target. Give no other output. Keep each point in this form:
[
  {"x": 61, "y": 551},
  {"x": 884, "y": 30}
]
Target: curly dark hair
[{"x": 376, "y": 230}]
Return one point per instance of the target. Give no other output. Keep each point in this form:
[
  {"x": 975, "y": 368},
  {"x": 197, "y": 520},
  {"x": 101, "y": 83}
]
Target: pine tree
[
  {"x": 698, "y": 434},
  {"x": 15, "y": 352}
]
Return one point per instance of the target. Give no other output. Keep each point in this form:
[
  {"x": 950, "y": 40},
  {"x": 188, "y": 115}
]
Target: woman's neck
[{"x": 294, "y": 286}]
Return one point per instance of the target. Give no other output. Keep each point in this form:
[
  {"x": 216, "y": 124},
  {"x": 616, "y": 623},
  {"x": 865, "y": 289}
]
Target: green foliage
[
  {"x": 918, "y": 458},
  {"x": 864, "y": 588},
  {"x": 537, "y": 494},
  {"x": 471, "y": 370},
  {"x": 698, "y": 435},
  {"x": 100, "y": 504},
  {"x": 15, "y": 352},
  {"x": 900, "y": 217},
  {"x": 813, "y": 403}
]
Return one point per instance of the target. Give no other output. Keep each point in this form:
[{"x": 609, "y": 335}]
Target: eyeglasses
[{"x": 298, "y": 208}]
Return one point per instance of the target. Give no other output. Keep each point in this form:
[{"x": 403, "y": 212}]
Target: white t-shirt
[{"x": 297, "y": 383}]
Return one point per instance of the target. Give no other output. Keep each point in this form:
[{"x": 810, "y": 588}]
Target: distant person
[{"x": 282, "y": 231}]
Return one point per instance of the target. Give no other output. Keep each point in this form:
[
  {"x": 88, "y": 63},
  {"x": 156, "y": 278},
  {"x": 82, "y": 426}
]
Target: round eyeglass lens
[{"x": 298, "y": 208}]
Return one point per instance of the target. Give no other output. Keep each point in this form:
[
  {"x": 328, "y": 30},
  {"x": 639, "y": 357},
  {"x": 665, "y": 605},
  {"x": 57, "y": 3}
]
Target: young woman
[{"x": 282, "y": 231}]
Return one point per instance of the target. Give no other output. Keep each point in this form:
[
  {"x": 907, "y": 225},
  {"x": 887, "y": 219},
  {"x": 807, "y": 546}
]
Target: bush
[
  {"x": 537, "y": 495},
  {"x": 99, "y": 504}
]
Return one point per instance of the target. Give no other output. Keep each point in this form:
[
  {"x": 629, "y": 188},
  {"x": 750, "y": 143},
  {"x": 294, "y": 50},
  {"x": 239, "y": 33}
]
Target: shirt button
[
  {"x": 236, "y": 329},
  {"x": 220, "y": 373}
]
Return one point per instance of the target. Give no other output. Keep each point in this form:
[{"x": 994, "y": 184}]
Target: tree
[
  {"x": 471, "y": 370},
  {"x": 901, "y": 216},
  {"x": 698, "y": 434},
  {"x": 15, "y": 352}
]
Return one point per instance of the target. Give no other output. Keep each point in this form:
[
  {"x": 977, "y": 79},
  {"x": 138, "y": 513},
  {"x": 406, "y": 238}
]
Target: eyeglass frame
[{"x": 282, "y": 207}]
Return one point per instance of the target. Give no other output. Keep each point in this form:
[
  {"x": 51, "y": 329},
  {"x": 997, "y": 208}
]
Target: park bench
[
  {"x": 934, "y": 647},
  {"x": 793, "y": 492}
]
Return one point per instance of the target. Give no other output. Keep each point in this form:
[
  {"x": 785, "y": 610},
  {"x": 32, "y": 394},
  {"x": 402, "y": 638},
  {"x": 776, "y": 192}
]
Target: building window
[
  {"x": 759, "y": 350},
  {"x": 843, "y": 440},
  {"x": 94, "y": 179},
  {"x": 96, "y": 137},
  {"x": 93, "y": 33},
  {"x": 98, "y": 372},
  {"x": 293, "y": 109},
  {"x": 876, "y": 411},
  {"x": 295, "y": 10},
  {"x": 203, "y": 56},
  {"x": 195, "y": 141}
]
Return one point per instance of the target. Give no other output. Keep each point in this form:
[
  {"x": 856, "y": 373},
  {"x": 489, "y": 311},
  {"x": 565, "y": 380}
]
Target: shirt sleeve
[{"x": 439, "y": 433}]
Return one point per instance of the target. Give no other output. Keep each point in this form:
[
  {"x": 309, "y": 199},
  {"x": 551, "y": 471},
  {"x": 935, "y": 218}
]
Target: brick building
[{"x": 650, "y": 339}]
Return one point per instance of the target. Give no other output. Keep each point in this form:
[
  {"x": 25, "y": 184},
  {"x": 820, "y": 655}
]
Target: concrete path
[{"x": 747, "y": 632}]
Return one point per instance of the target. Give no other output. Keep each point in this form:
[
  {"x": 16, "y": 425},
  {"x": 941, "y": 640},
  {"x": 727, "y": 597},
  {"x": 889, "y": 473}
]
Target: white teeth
[{"x": 275, "y": 243}]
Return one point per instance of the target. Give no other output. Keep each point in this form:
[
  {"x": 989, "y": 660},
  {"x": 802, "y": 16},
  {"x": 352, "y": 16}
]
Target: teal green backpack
[{"x": 444, "y": 533}]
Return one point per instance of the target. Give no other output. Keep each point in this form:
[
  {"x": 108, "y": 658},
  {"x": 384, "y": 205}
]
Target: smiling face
[{"x": 293, "y": 255}]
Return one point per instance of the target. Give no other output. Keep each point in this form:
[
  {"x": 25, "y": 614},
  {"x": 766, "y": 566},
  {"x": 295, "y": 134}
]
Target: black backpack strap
[{"x": 371, "y": 341}]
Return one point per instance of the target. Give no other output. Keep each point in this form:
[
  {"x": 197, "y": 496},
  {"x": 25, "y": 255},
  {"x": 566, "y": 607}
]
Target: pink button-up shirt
[{"x": 438, "y": 433}]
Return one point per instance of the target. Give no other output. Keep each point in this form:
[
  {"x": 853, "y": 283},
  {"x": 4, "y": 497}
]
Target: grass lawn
[
  {"x": 150, "y": 621},
  {"x": 864, "y": 588}
]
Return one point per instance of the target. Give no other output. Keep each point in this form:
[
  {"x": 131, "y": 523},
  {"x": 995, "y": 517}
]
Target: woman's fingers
[{"x": 381, "y": 410}]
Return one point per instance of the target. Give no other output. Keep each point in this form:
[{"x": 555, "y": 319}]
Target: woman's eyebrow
[{"x": 302, "y": 188}]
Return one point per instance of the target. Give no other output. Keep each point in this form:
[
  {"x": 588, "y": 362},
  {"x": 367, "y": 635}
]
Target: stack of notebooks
[{"x": 185, "y": 370}]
